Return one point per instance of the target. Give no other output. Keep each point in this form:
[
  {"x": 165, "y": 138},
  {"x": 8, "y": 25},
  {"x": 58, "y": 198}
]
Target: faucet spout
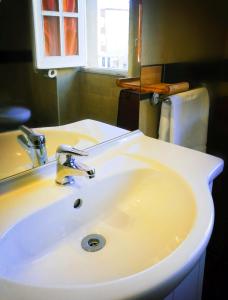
[
  {"x": 68, "y": 166},
  {"x": 34, "y": 144}
]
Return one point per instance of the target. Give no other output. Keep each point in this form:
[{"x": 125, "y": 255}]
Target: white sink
[
  {"x": 83, "y": 134},
  {"x": 45, "y": 244},
  {"x": 155, "y": 215}
]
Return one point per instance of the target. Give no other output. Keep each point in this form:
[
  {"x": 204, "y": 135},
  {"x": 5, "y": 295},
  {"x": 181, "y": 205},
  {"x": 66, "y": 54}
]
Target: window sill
[{"x": 111, "y": 72}]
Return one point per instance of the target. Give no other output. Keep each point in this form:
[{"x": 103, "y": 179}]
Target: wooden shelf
[
  {"x": 159, "y": 88},
  {"x": 150, "y": 82},
  {"x": 165, "y": 88},
  {"x": 129, "y": 83},
  {"x": 149, "y": 75}
]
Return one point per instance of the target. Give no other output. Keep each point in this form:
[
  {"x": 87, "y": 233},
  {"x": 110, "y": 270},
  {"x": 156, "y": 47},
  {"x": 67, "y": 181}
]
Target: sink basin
[
  {"x": 149, "y": 213},
  {"x": 14, "y": 159},
  {"x": 46, "y": 244}
]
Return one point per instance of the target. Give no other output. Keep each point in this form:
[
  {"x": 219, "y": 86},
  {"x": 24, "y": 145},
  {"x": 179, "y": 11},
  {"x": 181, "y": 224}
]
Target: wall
[
  {"x": 133, "y": 63},
  {"x": 13, "y": 84},
  {"x": 15, "y": 26},
  {"x": 58, "y": 101},
  {"x": 14, "y": 49},
  {"x": 85, "y": 94},
  {"x": 72, "y": 96},
  {"x": 19, "y": 83},
  {"x": 68, "y": 97},
  {"x": 98, "y": 97},
  {"x": 180, "y": 31},
  {"x": 226, "y": 46},
  {"x": 44, "y": 105},
  {"x": 75, "y": 95}
]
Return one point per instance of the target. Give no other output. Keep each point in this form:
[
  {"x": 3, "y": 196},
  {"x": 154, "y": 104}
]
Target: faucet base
[{"x": 66, "y": 180}]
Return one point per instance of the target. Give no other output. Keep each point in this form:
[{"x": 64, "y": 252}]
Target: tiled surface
[
  {"x": 68, "y": 95},
  {"x": 98, "y": 97},
  {"x": 43, "y": 99}
]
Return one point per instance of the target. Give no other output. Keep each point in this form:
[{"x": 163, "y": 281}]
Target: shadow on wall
[{"x": 215, "y": 283}]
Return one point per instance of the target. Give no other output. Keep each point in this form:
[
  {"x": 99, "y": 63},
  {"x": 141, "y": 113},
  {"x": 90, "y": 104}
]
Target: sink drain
[
  {"x": 77, "y": 203},
  {"x": 93, "y": 242}
]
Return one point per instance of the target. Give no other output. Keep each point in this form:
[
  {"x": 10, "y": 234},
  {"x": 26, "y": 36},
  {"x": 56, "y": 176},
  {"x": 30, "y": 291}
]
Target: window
[
  {"x": 113, "y": 34},
  {"x": 107, "y": 33},
  {"x": 68, "y": 34},
  {"x": 59, "y": 27}
]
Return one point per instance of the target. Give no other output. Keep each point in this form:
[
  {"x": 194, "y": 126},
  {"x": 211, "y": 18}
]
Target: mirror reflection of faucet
[
  {"x": 34, "y": 144},
  {"x": 68, "y": 166}
]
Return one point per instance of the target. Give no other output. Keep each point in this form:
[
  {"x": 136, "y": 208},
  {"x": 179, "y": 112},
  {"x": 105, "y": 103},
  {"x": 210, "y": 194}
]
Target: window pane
[
  {"x": 51, "y": 36},
  {"x": 113, "y": 54},
  {"x": 70, "y": 5},
  {"x": 71, "y": 36},
  {"x": 52, "y": 5}
]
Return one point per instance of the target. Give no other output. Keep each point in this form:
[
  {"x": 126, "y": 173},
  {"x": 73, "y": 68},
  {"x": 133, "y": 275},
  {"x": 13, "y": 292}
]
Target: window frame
[{"x": 62, "y": 61}]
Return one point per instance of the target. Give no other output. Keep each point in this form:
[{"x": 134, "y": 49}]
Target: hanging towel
[{"x": 184, "y": 119}]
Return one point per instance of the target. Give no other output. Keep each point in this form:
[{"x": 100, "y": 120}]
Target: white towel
[{"x": 184, "y": 119}]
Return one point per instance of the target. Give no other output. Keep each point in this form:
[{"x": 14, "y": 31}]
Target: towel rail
[{"x": 156, "y": 98}]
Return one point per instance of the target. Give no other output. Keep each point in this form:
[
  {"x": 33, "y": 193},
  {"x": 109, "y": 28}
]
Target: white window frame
[{"x": 63, "y": 61}]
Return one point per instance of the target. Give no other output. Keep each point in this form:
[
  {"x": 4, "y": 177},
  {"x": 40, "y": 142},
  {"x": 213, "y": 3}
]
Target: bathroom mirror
[{"x": 59, "y": 101}]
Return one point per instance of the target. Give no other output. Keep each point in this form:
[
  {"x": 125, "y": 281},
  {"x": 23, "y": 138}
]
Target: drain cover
[{"x": 93, "y": 242}]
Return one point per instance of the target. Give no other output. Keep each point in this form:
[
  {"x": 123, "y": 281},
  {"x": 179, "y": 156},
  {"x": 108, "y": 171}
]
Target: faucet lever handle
[{"x": 66, "y": 149}]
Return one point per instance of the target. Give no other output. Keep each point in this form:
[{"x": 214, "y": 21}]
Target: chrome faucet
[
  {"x": 68, "y": 166},
  {"x": 34, "y": 145}
]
